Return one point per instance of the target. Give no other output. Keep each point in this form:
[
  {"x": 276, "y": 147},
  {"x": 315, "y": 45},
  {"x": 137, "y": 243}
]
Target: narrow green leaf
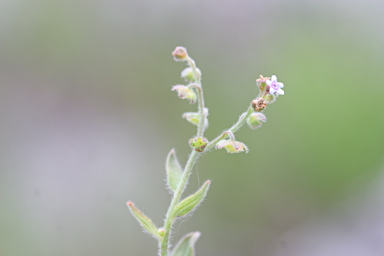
[
  {"x": 186, "y": 245},
  {"x": 174, "y": 171},
  {"x": 190, "y": 203},
  {"x": 144, "y": 221}
]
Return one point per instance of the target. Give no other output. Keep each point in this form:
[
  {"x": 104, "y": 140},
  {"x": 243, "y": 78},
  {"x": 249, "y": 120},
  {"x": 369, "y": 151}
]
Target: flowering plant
[{"x": 177, "y": 176}]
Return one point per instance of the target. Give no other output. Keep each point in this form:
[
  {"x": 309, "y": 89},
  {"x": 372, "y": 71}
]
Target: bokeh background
[{"x": 88, "y": 117}]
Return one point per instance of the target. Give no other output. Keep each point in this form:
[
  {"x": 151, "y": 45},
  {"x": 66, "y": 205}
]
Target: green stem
[
  {"x": 200, "y": 96},
  {"x": 233, "y": 129},
  {"x": 169, "y": 219}
]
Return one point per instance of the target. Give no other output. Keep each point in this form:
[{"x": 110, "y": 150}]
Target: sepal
[
  {"x": 194, "y": 118},
  {"x": 255, "y": 119},
  {"x": 189, "y": 75},
  {"x": 270, "y": 98},
  {"x": 185, "y": 92},
  {"x": 232, "y": 146}
]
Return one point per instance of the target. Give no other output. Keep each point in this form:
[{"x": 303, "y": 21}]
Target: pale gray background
[{"x": 87, "y": 119}]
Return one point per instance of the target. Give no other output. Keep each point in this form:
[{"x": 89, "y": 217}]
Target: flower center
[{"x": 275, "y": 85}]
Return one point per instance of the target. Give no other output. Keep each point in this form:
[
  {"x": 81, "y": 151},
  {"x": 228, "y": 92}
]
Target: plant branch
[
  {"x": 170, "y": 218},
  {"x": 233, "y": 129}
]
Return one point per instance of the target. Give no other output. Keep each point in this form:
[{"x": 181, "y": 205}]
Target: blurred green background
[{"x": 87, "y": 119}]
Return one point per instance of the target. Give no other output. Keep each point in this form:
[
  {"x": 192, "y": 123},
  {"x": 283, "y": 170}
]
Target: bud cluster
[{"x": 269, "y": 90}]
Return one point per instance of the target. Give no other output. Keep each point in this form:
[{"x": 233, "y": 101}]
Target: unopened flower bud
[
  {"x": 270, "y": 98},
  {"x": 180, "y": 54},
  {"x": 198, "y": 143},
  {"x": 232, "y": 146},
  {"x": 262, "y": 83},
  {"x": 255, "y": 119},
  {"x": 185, "y": 92},
  {"x": 194, "y": 117},
  {"x": 188, "y": 75},
  {"x": 259, "y": 104},
  {"x": 161, "y": 232}
]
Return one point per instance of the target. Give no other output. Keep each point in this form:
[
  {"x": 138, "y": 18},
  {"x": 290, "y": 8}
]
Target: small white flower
[{"x": 274, "y": 86}]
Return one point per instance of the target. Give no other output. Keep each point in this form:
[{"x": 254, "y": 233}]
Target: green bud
[
  {"x": 188, "y": 75},
  {"x": 189, "y": 204},
  {"x": 180, "y": 54},
  {"x": 194, "y": 118},
  {"x": 255, "y": 119},
  {"x": 186, "y": 245},
  {"x": 198, "y": 143},
  {"x": 161, "y": 232},
  {"x": 185, "y": 92},
  {"x": 262, "y": 83},
  {"x": 174, "y": 171},
  {"x": 270, "y": 98},
  {"x": 232, "y": 146},
  {"x": 144, "y": 221}
]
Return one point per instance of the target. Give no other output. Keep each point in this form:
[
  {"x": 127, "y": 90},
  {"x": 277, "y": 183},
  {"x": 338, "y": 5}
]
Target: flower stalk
[
  {"x": 200, "y": 98},
  {"x": 233, "y": 129},
  {"x": 170, "y": 218}
]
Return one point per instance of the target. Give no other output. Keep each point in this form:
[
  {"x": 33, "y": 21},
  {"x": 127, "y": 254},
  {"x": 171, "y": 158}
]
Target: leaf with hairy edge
[
  {"x": 174, "y": 171},
  {"x": 144, "y": 221},
  {"x": 186, "y": 245},
  {"x": 190, "y": 203}
]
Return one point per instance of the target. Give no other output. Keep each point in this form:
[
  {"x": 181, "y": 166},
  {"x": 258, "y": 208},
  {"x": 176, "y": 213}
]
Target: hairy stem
[
  {"x": 175, "y": 200},
  {"x": 197, "y": 80},
  {"x": 170, "y": 218},
  {"x": 233, "y": 129}
]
